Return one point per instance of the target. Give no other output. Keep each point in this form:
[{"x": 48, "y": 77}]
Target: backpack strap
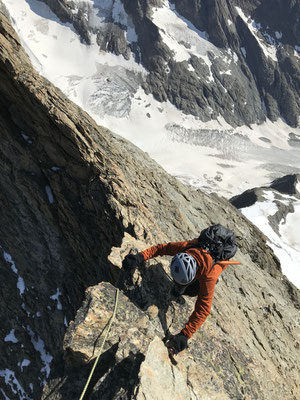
[
  {"x": 224, "y": 264},
  {"x": 228, "y": 262}
]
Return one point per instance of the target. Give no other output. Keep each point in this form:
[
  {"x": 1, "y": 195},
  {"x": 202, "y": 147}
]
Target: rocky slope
[
  {"x": 74, "y": 199},
  {"x": 246, "y": 63}
]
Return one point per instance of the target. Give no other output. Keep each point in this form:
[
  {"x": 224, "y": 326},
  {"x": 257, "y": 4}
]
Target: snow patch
[
  {"x": 289, "y": 229},
  {"x": 191, "y": 68},
  {"x": 262, "y": 210},
  {"x": 39, "y": 346},
  {"x": 202, "y": 34},
  {"x": 20, "y": 283},
  {"x": 23, "y": 364},
  {"x": 11, "y": 337},
  {"x": 11, "y": 380},
  {"x": 297, "y": 187},
  {"x": 207, "y": 61},
  {"x": 228, "y": 72},
  {"x": 180, "y": 35},
  {"x": 23, "y": 305},
  {"x": 49, "y": 194},
  {"x": 268, "y": 45},
  {"x": 26, "y": 138},
  {"x": 233, "y": 56},
  {"x": 120, "y": 16},
  {"x": 243, "y": 50},
  {"x": 5, "y": 397},
  {"x": 56, "y": 297}
]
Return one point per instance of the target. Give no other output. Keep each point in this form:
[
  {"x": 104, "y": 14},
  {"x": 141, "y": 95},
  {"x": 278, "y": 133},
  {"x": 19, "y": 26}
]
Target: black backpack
[{"x": 218, "y": 241}]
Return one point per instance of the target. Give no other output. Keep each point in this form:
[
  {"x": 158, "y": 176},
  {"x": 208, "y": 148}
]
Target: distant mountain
[
  {"x": 275, "y": 210},
  {"x": 237, "y": 59}
]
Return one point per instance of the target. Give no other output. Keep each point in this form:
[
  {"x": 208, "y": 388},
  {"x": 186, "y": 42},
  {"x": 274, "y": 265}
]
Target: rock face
[
  {"x": 74, "y": 198},
  {"x": 289, "y": 184},
  {"x": 249, "y": 71}
]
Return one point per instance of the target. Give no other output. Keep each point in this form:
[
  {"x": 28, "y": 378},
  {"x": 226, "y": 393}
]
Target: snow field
[
  {"x": 286, "y": 244},
  {"x": 289, "y": 230}
]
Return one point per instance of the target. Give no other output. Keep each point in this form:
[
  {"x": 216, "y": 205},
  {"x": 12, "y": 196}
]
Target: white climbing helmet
[{"x": 183, "y": 268}]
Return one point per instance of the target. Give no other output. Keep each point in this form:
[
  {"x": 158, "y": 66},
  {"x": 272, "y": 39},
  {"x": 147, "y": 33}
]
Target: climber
[{"x": 195, "y": 269}]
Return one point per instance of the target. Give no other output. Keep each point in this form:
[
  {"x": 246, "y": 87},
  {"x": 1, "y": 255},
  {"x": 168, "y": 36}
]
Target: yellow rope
[{"x": 101, "y": 348}]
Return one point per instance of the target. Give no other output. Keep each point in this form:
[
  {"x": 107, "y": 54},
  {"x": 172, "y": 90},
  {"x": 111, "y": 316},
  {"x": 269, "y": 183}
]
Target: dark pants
[{"x": 192, "y": 290}]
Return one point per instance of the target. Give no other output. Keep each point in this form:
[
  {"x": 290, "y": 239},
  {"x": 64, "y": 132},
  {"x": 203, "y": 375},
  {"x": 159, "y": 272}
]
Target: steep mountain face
[
  {"x": 276, "y": 78},
  {"x": 74, "y": 200},
  {"x": 235, "y": 59}
]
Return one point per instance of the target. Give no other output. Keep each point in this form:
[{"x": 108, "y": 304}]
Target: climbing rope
[{"x": 101, "y": 348}]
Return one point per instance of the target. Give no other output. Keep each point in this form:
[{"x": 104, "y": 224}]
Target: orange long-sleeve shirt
[{"x": 206, "y": 275}]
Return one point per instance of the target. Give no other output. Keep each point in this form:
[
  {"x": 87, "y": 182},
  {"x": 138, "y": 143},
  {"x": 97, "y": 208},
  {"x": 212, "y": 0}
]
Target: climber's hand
[
  {"x": 177, "y": 343},
  {"x": 132, "y": 260}
]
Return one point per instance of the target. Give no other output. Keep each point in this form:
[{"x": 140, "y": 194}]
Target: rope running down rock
[{"x": 101, "y": 348}]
